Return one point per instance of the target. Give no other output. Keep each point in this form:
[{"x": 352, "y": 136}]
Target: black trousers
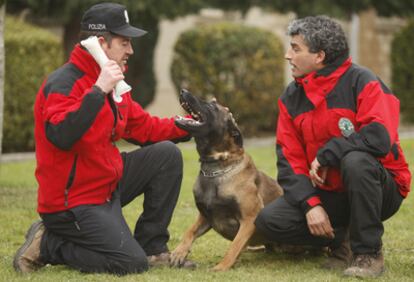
[
  {"x": 371, "y": 196},
  {"x": 96, "y": 238}
]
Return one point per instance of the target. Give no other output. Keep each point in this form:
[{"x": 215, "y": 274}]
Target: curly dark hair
[{"x": 321, "y": 33}]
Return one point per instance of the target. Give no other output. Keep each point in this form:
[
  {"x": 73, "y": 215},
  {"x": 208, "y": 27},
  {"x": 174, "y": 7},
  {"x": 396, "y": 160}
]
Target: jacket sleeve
[
  {"x": 67, "y": 117},
  {"x": 144, "y": 129},
  {"x": 377, "y": 118},
  {"x": 292, "y": 165}
]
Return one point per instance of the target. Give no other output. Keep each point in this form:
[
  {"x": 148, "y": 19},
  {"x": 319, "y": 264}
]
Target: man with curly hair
[{"x": 340, "y": 162}]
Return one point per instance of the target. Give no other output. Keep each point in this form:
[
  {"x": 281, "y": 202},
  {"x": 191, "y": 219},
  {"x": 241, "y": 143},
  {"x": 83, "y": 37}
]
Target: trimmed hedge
[
  {"x": 241, "y": 66},
  {"x": 31, "y": 54},
  {"x": 402, "y": 58}
]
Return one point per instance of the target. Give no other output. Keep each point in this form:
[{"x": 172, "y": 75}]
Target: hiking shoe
[
  {"x": 27, "y": 257},
  {"x": 339, "y": 258},
  {"x": 163, "y": 259},
  {"x": 366, "y": 265}
]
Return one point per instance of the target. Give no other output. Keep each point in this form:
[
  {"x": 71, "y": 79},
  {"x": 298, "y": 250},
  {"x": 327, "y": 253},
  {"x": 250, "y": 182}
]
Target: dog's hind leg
[
  {"x": 246, "y": 231},
  {"x": 201, "y": 226}
]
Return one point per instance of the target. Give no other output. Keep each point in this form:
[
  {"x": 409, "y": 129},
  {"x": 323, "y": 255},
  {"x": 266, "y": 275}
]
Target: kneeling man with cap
[{"x": 84, "y": 181}]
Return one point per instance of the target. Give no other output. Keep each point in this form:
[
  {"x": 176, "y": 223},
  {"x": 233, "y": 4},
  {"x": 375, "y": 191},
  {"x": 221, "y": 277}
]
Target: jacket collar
[
  {"x": 84, "y": 61},
  {"x": 330, "y": 72},
  {"x": 335, "y": 65}
]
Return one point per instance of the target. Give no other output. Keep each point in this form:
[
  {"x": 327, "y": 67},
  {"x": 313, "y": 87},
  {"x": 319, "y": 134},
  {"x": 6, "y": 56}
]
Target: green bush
[
  {"x": 241, "y": 66},
  {"x": 31, "y": 54},
  {"x": 402, "y": 58}
]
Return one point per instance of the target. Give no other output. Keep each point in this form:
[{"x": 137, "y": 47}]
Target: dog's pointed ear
[{"x": 235, "y": 131}]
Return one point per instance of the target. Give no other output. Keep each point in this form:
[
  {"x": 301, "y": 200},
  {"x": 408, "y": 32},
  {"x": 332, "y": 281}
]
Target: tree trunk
[{"x": 2, "y": 74}]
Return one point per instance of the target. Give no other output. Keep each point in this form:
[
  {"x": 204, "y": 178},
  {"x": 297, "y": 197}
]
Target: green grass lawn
[{"x": 17, "y": 212}]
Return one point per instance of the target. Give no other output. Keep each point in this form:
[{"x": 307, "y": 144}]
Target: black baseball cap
[{"x": 111, "y": 17}]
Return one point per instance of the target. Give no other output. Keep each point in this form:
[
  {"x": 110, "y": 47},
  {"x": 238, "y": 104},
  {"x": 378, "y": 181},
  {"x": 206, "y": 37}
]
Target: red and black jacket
[
  {"x": 76, "y": 126},
  {"x": 309, "y": 112}
]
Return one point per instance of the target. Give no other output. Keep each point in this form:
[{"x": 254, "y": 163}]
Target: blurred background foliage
[
  {"x": 42, "y": 53},
  {"x": 146, "y": 14},
  {"x": 240, "y": 66},
  {"x": 402, "y": 57},
  {"x": 143, "y": 13}
]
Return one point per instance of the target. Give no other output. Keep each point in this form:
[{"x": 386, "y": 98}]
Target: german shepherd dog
[{"x": 229, "y": 191}]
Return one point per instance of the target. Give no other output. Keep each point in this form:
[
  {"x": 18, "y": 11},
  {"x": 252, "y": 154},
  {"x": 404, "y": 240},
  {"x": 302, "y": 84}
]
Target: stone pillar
[
  {"x": 375, "y": 38},
  {"x": 166, "y": 103},
  {"x": 277, "y": 24},
  {"x": 369, "y": 47}
]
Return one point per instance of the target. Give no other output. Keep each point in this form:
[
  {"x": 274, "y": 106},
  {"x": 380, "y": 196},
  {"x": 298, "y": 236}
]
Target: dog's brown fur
[{"x": 229, "y": 191}]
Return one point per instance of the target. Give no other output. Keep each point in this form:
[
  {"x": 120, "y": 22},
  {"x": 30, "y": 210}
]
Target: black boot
[
  {"x": 340, "y": 257},
  {"x": 366, "y": 265}
]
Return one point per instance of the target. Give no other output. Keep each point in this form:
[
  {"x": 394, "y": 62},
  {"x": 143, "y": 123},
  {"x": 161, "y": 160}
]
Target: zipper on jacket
[
  {"x": 108, "y": 197},
  {"x": 70, "y": 179},
  {"x": 115, "y": 111}
]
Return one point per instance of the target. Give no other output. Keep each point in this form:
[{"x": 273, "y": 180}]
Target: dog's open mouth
[
  {"x": 197, "y": 120},
  {"x": 196, "y": 117}
]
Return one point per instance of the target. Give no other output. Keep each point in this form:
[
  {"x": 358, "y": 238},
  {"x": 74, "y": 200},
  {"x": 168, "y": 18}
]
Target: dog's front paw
[
  {"x": 178, "y": 257},
  {"x": 221, "y": 267}
]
